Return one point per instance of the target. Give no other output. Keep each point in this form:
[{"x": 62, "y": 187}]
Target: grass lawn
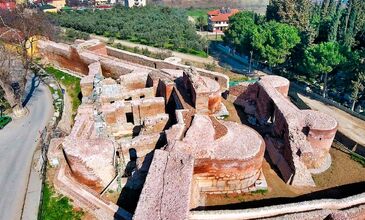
[
  {"x": 4, "y": 121},
  {"x": 71, "y": 83},
  {"x": 56, "y": 207},
  {"x": 196, "y": 12}
]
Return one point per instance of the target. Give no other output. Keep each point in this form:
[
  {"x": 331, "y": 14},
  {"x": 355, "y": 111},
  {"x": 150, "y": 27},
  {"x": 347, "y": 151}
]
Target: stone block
[
  {"x": 221, "y": 183},
  {"x": 205, "y": 183}
]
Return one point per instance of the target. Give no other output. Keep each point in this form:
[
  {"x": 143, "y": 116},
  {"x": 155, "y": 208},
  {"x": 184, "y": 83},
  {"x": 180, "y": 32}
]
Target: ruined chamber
[{"x": 298, "y": 141}]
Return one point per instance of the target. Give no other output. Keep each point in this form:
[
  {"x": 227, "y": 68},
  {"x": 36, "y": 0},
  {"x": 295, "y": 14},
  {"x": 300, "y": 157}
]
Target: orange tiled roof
[{"x": 217, "y": 15}]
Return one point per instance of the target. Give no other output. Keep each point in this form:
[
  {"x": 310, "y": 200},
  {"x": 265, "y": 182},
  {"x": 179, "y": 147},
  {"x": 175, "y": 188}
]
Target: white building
[
  {"x": 218, "y": 19},
  {"x": 135, "y": 3}
]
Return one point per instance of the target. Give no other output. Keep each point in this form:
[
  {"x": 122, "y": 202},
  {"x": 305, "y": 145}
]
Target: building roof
[
  {"x": 7, "y": 5},
  {"x": 222, "y": 14},
  {"x": 104, "y": 7}
]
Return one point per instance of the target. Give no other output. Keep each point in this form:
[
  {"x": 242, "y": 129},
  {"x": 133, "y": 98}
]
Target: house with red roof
[
  {"x": 218, "y": 19},
  {"x": 7, "y": 4}
]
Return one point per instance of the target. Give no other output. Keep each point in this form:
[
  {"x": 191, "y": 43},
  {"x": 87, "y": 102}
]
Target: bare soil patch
[{"x": 343, "y": 171}]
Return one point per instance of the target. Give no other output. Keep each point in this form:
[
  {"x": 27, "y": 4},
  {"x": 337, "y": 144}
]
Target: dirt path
[
  {"x": 349, "y": 125},
  {"x": 186, "y": 57}
]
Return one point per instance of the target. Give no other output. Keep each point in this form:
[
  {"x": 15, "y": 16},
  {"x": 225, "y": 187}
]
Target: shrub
[{"x": 210, "y": 66}]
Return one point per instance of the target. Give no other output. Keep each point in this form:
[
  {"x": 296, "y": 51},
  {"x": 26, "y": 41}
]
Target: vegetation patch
[
  {"x": 57, "y": 105},
  {"x": 260, "y": 191},
  {"x": 4, "y": 121},
  {"x": 197, "y": 12},
  {"x": 210, "y": 66},
  {"x": 322, "y": 48},
  {"x": 358, "y": 159},
  {"x": 71, "y": 35},
  {"x": 71, "y": 83},
  {"x": 161, "y": 27},
  {"x": 56, "y": 207},
  {"x": 161, "y": 55}
]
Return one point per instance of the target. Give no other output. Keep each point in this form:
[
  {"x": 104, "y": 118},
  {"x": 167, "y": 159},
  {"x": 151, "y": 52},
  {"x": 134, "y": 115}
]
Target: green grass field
[
  {"x": 196, "y": 12},
  {"x": 57, "y": 207},
  {"x": 71, "y": 83}
]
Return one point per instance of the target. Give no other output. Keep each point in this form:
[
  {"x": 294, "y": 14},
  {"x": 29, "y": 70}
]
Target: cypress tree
[
  {"x": 333, "y": 31},
  {"x": 332, "y": 8},
  {"x": 325, "y": 5},
  {"x": 294, "y": 12},
  {"x": 272, "y": 10}
]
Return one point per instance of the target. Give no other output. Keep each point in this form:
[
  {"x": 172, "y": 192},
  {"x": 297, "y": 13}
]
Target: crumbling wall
[
  {"x": 222, "y": 79},
  {"x": 167, "y": 191},
  {"x": 205, "y": 93},
  {"x": 89, "y": 158},
  {"x": 62, "y": 55},
  {"x": 351, "y": 208},
  {"x": 87, "y": 82},
  {"x": 99, "y": 49},
  {"x": 301, "y": 138}
]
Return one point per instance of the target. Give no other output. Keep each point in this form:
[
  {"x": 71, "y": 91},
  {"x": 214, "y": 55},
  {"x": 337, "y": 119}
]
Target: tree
[
  {"x": 352, "y": 22},
  {"x": 201, "y": 22},
  {"x": 10, "y": 69},
  {"x": 20, "y": 28},
  {"x": 156, "y": 24},
  {"x": 325, "y": 5},
  {"x": 322, "y": 59},
  {"x": 273, "y": 42},
  {"x": 241, "y": 29},
  {"x": 335, "y": 22},
  {"x": 355, "y": 66},
  {"x": 293, "y": 12},
  {"x": 358, "y": 86}
]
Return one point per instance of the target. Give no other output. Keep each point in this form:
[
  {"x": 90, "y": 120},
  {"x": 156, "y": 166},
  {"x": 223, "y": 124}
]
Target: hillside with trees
[
  {"x": 321, "y": 45},
  {"x": 156, "y": 26}
]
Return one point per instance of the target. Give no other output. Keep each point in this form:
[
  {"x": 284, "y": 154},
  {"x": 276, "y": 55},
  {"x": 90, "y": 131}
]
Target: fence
[{"x": 326, "y": 101}]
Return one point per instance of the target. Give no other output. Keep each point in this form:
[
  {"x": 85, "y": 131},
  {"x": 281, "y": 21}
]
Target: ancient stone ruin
[
  {"x": 155, "y": 128},
  {"x": 298, "y": 141}
]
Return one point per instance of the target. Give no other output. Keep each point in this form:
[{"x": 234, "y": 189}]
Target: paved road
[
  {"x": 224, "y": 60},
  {"x": 17, "y": 144}
]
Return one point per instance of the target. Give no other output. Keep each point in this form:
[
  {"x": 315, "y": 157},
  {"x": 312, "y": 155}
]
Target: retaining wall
[
  {"x": 276, "y": 210},
  {"x": 222, "y": 79}
]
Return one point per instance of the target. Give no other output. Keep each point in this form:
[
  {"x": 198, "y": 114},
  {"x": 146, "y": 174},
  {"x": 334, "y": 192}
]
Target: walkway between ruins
[
  {"x": 184, "y": 56},
  {"x": 349, "y": 125},
  {"x": 17, "y": 144}
]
